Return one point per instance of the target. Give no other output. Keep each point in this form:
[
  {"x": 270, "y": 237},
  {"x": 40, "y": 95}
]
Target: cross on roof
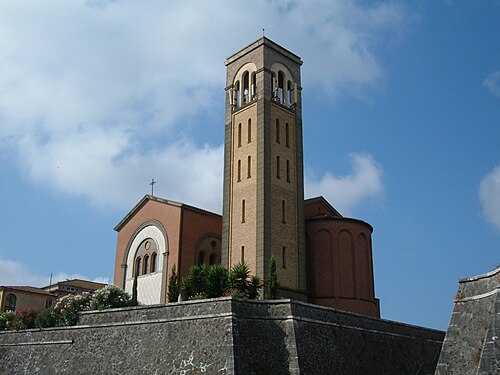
[{"x": 152, "y": 183}]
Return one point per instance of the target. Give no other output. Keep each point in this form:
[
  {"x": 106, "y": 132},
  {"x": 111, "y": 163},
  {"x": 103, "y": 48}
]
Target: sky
[{"x": 401, "y": 121}]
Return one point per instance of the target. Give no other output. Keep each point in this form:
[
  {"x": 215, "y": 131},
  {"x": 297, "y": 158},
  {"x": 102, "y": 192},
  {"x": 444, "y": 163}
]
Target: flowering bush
[
  {"x": 110, "y": 297},
  {"x": 46, "y": 318},
  {"x": 67, "y": 308},
  {"x": 5, "y": 319},
  {"x": 24, "y": 319}
]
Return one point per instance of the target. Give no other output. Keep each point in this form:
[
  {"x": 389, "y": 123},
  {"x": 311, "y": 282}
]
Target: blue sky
[{"x": 401, "y": 111}]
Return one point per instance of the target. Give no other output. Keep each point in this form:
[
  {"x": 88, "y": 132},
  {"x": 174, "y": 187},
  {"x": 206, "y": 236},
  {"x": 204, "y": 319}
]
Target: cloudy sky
[{"x": 401, "y": 107}]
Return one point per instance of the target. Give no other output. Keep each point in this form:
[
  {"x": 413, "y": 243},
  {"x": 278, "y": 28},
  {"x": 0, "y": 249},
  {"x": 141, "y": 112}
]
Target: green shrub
[
  {"x": 109, "y": 297},
  {"x": 241, "y": 284},
  {"x": 133, "y": 301},
  {"x": 47, "y": 318},
  {"x": 6, "y": 318},
  {"x": 217, "y": 281},
  {"x": 67, "y": 308},
  {"x": 193, "y": 286}
]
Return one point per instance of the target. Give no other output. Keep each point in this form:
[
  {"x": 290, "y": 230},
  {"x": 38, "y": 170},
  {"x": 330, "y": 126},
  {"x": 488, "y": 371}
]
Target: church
[{"x": 322, "y": 257}]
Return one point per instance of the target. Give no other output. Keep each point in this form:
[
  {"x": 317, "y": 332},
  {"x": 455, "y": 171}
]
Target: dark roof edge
[
  {"x": 322, "y": 199},
  {"x": 348, "y": 219},
  {"x": 263, "y": 41}
]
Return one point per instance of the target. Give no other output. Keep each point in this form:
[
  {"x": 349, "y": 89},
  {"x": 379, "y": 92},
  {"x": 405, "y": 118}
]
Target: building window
[
  {"x": 243, "y": 211},
  {"x": 246, "y": 87},
  {"x": 249, "y": 130},
  {"x": 278, "y": 166},
  {"x": 253, "y": 90},
  {"x": 288, "y": 171},
  {"x": 212, "y": 259},
  {"x": 242, "y": 254},
  {"x": 287, "y": 135},
  {"x": 239, "y": 170},
  {"x": 277, "y": 130},
  {"x": 237, "y": 94},
  {"x": 146, "y": 264},
  {"x": 10, "y": 302},
  {"x": 281, "y": 88},
  {"x": 283, "y": 256},
  {"x": 290, "y": 93},
  {"x": 201, "y": 258},
  {"x": 239, "y": 134},
  {"x": 283, "y": 218},
  {"x": 249, "y": 167},
  {"x": 138, "y": 267},
  {"x": 154, "y": 262}
]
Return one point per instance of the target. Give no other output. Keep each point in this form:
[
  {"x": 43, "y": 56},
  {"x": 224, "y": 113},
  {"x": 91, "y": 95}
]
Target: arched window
[
  {"x": 138, "y": 267},
  {"x": 237, "y": 94},
  {"x": 239, "y": 170},
  {"x": 283, "y": 256},
  {"x": 243, "y": 211},
  {"x": 146, "y": 265},
  {"x": 249, "y": 167},
  {"x": 212, "y": 259},
  {"x": 277, "y": 130},
  {"x": 246, "y": 87},
  {"x": 278, "y": 166},
  {"x": 239, "y": 134},
  {"x": 274, "y": 86},
  {"x": 201, "y": 258},
  {"x": 287, "y": 135},
  {"x": 281, "y": 87},
  {"x": 283, "y": 211},
  {"x": 10, "y": 302},
  {"x": 253, "y": 91},
  {"x": 289, "y": 96},
  {"x": 288, "y": 171},
  {"x": 242, "y": 254},
  {"x": 154, "y": 262},
  {"x": 249, "y": 130}
]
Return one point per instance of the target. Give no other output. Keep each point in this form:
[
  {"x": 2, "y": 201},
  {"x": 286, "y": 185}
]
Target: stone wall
[
  {"x": 223, "y": 336},
  {"x": 472, "y": 343}
]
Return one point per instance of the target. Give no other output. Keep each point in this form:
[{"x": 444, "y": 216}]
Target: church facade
[{"x": 322, "y": 257}]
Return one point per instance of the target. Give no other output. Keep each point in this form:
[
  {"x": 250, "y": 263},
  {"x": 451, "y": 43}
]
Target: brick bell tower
[{"x": 263, "y": 199}]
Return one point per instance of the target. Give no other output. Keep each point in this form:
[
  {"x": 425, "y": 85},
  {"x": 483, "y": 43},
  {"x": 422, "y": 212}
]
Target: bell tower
[{"x": 263, "y": 203}]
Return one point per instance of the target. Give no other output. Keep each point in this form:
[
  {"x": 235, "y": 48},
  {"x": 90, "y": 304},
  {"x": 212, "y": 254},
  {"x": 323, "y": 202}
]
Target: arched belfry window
[
  {"x": 287, "y": 135},
  {"x": 278, "y": 174},
  {"x": 236, "y": 97},
  {"x": 239, "y": 170},
  {"x": 288, "y": 171},
  {"x": 246, "y": 87},
  {"x": 289, "y": 92},
  {"x": 10, "y": 302},
  {"x": 274, "y": 86},
  {"x": 281, "y": 87},
  {"x": 253, "y": 88}
]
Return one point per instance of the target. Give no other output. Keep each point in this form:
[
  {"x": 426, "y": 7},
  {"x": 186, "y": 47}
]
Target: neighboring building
[
  {"x": 14, "y": 298},
  {"x": 74, "y": 286},
  {"x": 321, "y": 256}
]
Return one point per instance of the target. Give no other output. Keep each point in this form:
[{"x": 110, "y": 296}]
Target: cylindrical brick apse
[{"x": 339, "y": 260}]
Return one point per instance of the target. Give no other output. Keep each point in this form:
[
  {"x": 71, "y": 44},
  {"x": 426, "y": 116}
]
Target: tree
[
  {"x": 273, "y": 283},
  {"x": 173, "y": 286},
  {"x": 134, "y": 302}
]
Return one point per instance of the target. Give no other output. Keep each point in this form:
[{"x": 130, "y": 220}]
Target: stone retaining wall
[{"x": 222, "y": 336}]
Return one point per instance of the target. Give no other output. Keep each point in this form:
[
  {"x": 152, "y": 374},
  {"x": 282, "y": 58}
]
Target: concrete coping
[{"x": 478, "y": 277}]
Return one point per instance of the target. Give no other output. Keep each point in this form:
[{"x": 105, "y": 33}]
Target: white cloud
[
  {"x": 94, "y": 95},
  {"x": 345, "y": 192},
  {"x": 489, "y": 194},
  {"x": 17, "y": 274},
  {"x": 492, "y": 82}
]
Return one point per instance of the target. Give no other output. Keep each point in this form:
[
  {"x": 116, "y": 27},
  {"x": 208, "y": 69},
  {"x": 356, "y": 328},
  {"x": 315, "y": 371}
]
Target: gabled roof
[
  {"x": 27, "y": 289},
  {"x": 78, "y": 283},
  {"x": 149, "y": 197},
  {"x": 328, "y": 207}
]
